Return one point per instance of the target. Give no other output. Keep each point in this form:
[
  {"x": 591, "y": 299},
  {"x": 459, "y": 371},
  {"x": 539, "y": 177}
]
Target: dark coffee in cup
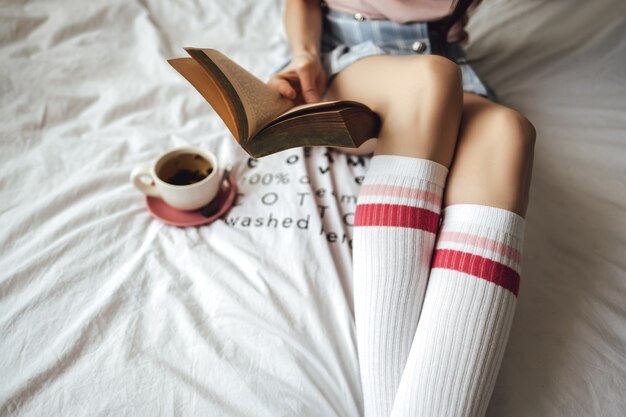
[
  {"x": 194, "y": 167},
  {"x": 185, "y": 169}
]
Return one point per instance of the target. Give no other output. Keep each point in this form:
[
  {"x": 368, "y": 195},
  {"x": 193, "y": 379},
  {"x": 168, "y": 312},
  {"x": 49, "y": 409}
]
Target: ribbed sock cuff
[
  {"x": 482, "y": 241},
  {"x": 406, "y": 166},
  {"x": 401, "y": 191},
  {"x": 486, "y": 217}
]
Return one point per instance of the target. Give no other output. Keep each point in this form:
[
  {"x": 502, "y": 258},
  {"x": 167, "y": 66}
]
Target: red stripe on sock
[
  {"x": 396, "y": 215},
  {"x": 477, "y": 266}
]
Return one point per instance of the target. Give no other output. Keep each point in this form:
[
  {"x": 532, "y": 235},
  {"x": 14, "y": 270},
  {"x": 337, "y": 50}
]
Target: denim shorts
[{"x": 347, "y": 38}]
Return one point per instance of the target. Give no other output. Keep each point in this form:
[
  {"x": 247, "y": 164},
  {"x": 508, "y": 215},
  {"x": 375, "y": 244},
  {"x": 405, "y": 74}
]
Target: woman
[{"x": 440, "y": 216}]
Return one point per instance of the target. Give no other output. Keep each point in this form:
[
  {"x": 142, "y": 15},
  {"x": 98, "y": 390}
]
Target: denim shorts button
[
  {"x": 359, "y": 17},
  {"x": 418, "y": 46}
]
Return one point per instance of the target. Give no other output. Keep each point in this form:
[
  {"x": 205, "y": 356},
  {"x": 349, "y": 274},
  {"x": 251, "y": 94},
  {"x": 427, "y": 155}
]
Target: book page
[
  {"x": 309, "y": 106},
  {"x": 324, "y": 105},
  {"x": 210, "y": 90},
  {"x": 262, "y": 104}
]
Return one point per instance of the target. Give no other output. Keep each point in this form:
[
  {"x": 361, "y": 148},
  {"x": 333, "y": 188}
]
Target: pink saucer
[{"x": 175, "y": 217}]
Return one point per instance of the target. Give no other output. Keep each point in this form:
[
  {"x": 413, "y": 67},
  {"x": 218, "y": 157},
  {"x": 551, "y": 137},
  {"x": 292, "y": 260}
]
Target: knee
[
  {"x": 435, "y": 73},
  {"x": 427, "y": 85},
  {"x": 513, "y": 132},
  {"x": 493, "y": 160},
  {"x": 423, "y": 112}
]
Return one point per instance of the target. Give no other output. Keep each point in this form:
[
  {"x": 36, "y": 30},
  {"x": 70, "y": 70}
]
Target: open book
[{"x": 264, "y": 122}]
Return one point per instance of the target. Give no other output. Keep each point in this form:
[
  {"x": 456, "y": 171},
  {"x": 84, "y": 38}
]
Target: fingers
[
  {"x": 474, "y": 5},
  {"x": 463, "y": 38},
  {"x": 302, "y": 81},
  {"x": 283, "y": 87},
  {"x": 307, "y": 83},
  {"x": 321, "y": 84},
  {"x": 458, "y": 36},
  {"x": 457, "y": 33}
]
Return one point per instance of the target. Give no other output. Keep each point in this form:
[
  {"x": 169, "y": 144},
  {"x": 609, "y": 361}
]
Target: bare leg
[
  {"x": 419, "y": 99},
  {"x": 367, "y": 148},
  {"x": 475, "y": 274},
  {"x": 493, "y": 158},
  {"x": 469, "y": 305}
]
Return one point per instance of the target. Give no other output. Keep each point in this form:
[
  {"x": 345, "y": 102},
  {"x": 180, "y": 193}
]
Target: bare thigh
[
  {"x": 488, "y": 147},
  {"x": 419, "y": 99}
]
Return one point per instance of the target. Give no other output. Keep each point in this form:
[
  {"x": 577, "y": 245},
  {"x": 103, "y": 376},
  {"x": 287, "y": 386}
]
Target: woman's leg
[
  {"x": 419, "y": 99},
  {"x": 493, "y": 158},
  {"x": 473, "y": 285}
]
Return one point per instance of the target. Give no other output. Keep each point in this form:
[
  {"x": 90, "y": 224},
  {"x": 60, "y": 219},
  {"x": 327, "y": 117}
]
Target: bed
[{"x": 107, "y": 311}]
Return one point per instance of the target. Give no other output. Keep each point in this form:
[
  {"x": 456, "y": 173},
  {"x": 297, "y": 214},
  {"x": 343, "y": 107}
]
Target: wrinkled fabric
[{"x": 107, "y": 311}]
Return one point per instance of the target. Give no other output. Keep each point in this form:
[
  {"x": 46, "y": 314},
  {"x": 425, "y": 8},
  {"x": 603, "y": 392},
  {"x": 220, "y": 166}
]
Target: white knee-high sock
[
  {"x": 396, "y": 219},
  {"x": 467, "y": 313}
]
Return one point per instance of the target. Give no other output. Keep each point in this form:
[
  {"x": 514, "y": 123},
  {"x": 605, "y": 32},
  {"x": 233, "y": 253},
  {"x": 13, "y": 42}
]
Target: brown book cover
[{"x": 261, "y": 120}]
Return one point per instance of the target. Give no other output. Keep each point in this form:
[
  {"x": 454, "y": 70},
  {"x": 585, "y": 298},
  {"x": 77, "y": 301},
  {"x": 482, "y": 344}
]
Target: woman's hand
[
  {"x": 457, "y": 33},
  {"x": 303, "y": 80}
]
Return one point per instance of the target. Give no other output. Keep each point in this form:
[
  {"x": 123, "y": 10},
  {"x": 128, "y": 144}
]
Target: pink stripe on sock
[
  {"x": 396, "y": 215},
  {"x": 400, "y": 192},
  {"x": 481, "y": 242},
  {"x": 477, "y": 266}
]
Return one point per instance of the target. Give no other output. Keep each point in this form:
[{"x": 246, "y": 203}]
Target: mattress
[{"x": 104, "y": 310}]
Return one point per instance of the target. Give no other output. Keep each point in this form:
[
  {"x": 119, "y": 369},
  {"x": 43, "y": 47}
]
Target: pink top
[{"x": 401, "y": 11}]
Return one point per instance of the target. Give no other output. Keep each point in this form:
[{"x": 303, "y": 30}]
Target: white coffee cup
[{"x": 169, "y": 168}]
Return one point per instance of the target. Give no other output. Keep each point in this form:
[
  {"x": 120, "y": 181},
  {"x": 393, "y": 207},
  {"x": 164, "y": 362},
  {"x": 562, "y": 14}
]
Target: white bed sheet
[{"x": 106, "y": 311}]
